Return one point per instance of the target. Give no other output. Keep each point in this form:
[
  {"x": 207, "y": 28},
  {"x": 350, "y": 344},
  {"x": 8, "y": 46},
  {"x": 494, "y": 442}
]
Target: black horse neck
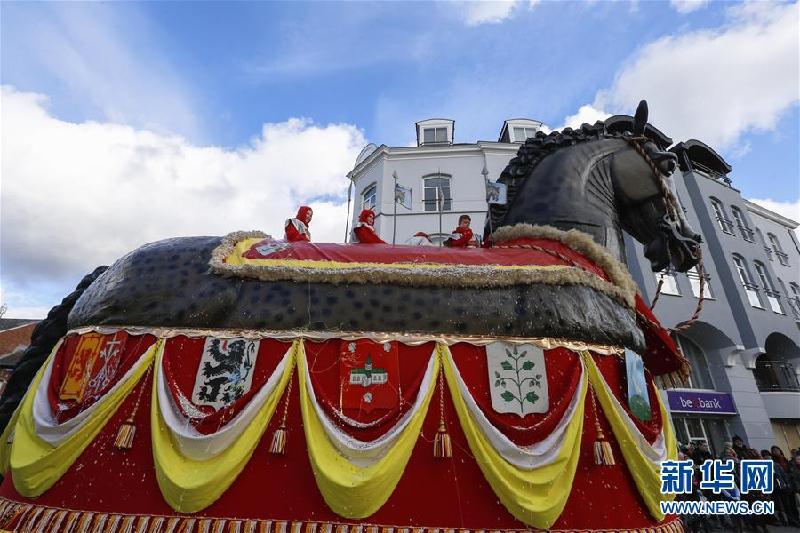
[{"x": 573, "y": 189}]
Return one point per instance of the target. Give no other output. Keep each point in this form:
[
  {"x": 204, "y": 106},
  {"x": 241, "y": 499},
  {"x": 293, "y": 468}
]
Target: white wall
[{"x": 463, "y": 163}]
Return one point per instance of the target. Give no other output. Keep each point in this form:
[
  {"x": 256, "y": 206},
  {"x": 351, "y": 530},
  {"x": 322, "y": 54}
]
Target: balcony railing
[
  {"x": 713, "y": 174},
  {"x": 794, "y": 305},
  {"x": 752, "y": 295},
  {"x": 747, "y": 234},
  {"x": 776, "y": 376},
  {"x": 773, "y": 299},
  {"x": 726, "y": 225}
]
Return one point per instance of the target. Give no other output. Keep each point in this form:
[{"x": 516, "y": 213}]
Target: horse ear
[{"x": 640, "y": 119}]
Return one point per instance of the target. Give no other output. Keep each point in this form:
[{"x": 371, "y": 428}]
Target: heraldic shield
[{"x": 369, "y": 378}]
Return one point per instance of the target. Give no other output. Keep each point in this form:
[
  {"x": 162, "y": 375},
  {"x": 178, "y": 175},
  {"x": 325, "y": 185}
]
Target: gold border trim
[
  {"x": 24, "y": 517},
  {"x": 546, "y": 343}
]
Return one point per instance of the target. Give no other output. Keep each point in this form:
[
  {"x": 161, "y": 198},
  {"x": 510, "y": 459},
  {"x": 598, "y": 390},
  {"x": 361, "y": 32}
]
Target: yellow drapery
[
  {"x": 349, "y": 490},
  {"x": 189, "y": 485},
  {"x": 35, "y": 464},
  {"x": 538, "y": 496},
  {"x": 645, "y": 472}
]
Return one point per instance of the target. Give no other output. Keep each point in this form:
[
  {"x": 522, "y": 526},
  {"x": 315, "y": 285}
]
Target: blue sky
[{"x": 241, "y": 95}]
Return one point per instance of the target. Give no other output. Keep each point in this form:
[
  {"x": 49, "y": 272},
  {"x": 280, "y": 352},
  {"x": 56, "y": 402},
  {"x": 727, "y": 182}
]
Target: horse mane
[{"x": 533, "y": 151}]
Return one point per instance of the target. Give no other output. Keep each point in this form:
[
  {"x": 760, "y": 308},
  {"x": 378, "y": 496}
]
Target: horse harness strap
[{"x": 672, "y": 210}]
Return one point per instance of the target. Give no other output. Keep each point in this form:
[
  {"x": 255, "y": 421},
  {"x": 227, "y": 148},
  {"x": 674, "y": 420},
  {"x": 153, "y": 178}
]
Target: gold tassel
[
  {"x": 603, "y": 454},
  {"x": 125, "y": 434},
  {"x": 278, "y": 446},
  {"x": 127, "y": 430},
  {"x": 442, "y": 447},
  {"x": 278, "y": 441}
]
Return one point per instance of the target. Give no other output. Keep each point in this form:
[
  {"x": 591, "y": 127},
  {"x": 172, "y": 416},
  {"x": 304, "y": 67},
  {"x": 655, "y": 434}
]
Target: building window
[
  {"x": 711, "y": 430},
  {"x": 521, "y": 133},
  {"x": 722, "y": 219},
  {"x": 774, "y": 375},
  {"x": 669, "y": 282},
  {"x": 769, "y": 288},
  {"x": 776, "y": 248},
  {"x": 749, "y": 287},
  {"x": 767, "y": 249},
  {"x": 434, "y": 135},
  {"x": 437, "y": 190},
  {"x": 794, "y": 299},
  {"x": 701, "y": 376},
  {"x": 741, "y": 223},
  {"x": 694, "y": 280},
  {"x": 368, "y": 197}
]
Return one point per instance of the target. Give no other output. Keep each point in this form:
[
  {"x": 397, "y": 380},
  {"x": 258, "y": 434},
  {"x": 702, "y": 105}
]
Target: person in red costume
[
  {"x": 364, "y": 232},
  {"x": 297, "y": 228},
  {"x": 462, "y": 235}
]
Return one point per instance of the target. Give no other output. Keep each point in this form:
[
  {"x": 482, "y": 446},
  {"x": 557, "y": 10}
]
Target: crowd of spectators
[{"x": 785, "y": 494}]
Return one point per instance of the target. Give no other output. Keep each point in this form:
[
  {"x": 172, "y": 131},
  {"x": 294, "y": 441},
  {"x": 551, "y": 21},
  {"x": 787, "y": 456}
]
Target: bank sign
[{"x": 686, "y": 401}]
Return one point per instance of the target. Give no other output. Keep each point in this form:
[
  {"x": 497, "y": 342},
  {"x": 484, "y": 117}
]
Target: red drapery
[
  {"x": 387, "y": 254},
  {"x": 432, "y": 492},
  {"x": 182, "y": 357},
  {"x": 323, "y": 365},
  {"x": 563, "y": 378},
  {"x": 119, "y": 351}
]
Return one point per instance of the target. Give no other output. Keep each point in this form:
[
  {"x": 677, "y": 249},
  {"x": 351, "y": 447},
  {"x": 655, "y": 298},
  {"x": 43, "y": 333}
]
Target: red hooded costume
[
  {"x": 464, "y": 237},
  {"x": 364, "y": 232},
  {"x": 297, "y": 228}
]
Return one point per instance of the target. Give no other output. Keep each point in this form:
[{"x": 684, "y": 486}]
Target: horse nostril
[{"x": 667, "y": 161}]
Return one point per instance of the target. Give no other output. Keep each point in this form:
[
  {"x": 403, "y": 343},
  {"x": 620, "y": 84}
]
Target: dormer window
[
  {"x": 434, "y": 131},
  {"x": 434, "y": 135},
  {"x": 522, "y": 133},
  {"x": 517, "y": 130}
]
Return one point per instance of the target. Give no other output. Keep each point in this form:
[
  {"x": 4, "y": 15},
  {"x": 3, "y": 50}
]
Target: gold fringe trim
[
  {"x": 621, "y": 288},
  {"x": 27, "y": 518},
  {"x": 228, "y": 245},
  {"x": 577, "y": 241},
  {"x": 546, "y": 343}
]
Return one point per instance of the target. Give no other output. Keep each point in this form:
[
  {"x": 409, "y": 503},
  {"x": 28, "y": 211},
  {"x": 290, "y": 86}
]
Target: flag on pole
[
  {"x": 402, "y": 196},
  {"x": 496, "y": 193}
]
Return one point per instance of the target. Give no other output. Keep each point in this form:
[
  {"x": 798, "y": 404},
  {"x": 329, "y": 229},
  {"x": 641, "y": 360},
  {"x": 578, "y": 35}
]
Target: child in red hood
[
  {"x": 462, "y": 235},
  {"x": 364, "y": 232},
  {"x": 297, "y": 228}
]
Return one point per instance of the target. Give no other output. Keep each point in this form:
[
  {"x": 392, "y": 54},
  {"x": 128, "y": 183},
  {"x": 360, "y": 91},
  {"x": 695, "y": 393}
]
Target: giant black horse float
[{"x": 243, "y": 383}]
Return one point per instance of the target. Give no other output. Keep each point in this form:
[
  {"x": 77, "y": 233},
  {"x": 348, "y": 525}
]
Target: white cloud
[
  {"x": 103, "y": 60},
  {"x": 790, "y": 210},
  {"x": 79, "y": 195},
  {"x": 687, "y": 6},
  {"x": 716, "y": 85},
  {"x": 587, "y": 114},
  {"x": 491, "y": 11}
]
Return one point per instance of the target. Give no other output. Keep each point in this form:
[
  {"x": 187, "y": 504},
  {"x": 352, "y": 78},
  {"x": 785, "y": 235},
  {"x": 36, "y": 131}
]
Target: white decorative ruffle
[
  {"x": 195, "y": 445},
  {"x": 44, "y": 420},
  {"x": 530, "y": 457},
  {"x": 366, "y": 453}
]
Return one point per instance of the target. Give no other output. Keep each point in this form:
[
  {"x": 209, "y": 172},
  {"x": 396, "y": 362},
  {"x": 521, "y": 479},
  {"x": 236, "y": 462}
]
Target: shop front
[{"x": 701, "y": 416}]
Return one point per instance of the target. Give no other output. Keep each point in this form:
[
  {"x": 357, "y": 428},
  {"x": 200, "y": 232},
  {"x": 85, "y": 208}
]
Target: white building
[{"x": 436, "y": 167}]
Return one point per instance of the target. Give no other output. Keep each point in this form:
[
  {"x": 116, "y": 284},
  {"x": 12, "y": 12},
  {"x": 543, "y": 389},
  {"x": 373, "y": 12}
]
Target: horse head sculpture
[{"x": 601, "y": 181}]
